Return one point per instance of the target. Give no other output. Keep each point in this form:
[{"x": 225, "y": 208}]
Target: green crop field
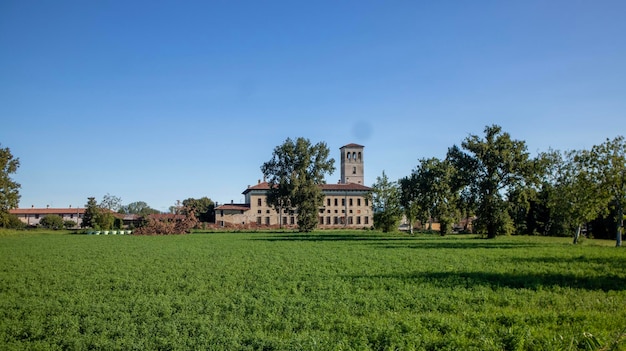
[{"x": 319, "y": 291}]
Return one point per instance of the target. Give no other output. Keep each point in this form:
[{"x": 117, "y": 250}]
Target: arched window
[
  {"x": 359, "y": 156},
  {"x": 348, "y": 156},
  {"x": 354, "y": 156}
]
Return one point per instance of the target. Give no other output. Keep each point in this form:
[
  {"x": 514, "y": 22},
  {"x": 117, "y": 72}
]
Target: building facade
[
  {"x": 32, "y": 216},
  {"x": 346, "y": 204}
]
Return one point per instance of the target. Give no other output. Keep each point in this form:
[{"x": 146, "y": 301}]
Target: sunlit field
[{"x": 319, "y": 291}]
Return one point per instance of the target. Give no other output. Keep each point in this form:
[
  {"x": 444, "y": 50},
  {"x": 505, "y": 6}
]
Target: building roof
[
  {"x": 325, "y": 187},
  {"x": 46, "y": 211},
  {"x": 235, "y": 207},
  {"x": 352, "y": 145}
]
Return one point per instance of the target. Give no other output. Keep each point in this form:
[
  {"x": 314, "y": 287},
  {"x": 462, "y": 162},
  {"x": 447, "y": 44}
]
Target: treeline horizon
[{"x": 494, "y": 179}]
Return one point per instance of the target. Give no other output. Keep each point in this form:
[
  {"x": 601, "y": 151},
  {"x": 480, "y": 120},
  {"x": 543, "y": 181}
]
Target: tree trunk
[
  {"x": 410, "y": 226},
  {"x": 577, "y": 234}
]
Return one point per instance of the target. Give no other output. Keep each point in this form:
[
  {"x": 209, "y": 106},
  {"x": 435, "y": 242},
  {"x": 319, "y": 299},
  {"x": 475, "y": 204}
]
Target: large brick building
[{"x": 346, "y": 204}]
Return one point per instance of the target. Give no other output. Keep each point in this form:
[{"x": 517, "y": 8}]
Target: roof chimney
[
  {"x": 47, "y": 206},
  {"x": 232, "y": 202}
]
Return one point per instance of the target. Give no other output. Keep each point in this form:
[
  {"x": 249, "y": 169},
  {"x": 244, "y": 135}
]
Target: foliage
[
  {"x": 91, "y": 213},
  {"x": 314, "y": 291},
  {"x": 386, "y": 204},
  {"x": 111, "y": 202},
  {"x": 433, "y": 180},
  {"x": 294, "y": 174},
  {"x": 51, "y": 222},
  {"x": 9, "y": 189},
  {"x": 69, "y": 224},
  {"x": 139, "y": 208},
  {"x": 203, "y": 208},
  {"x": 168, "y": 225},
  {"x": 606, "y": 165},
  {"x": 493, "y": 166},
  {"x": 10, "y": 221}
]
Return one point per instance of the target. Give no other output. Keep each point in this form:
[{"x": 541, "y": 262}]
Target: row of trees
[{"x": 494, "y": 179}]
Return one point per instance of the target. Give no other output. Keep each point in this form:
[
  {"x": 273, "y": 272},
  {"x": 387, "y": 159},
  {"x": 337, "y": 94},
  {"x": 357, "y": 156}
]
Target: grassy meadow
[{"x": 318, "y": 291}]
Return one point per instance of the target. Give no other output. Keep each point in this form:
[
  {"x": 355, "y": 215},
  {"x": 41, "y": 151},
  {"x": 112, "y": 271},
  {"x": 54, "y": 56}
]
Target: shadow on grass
[
  {"x": 607, "y": 264},
  {"x": 534, "y": 281},
  {"x": 330, "y": 237},
  {"x": 458, "y": 244}
]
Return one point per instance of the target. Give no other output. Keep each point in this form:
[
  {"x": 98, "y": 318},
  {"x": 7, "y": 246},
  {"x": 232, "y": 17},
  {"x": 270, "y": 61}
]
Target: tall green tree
[
  {"x": 493, "y": 164},
  {"x": 386, "y": 204},
  {"x": 9, "y": 189},
  {"x": 294, "y": 175},
  {"x": 91, "y": 213},
  {"x": 409, "y": 199},
  {"x": 606, "y": 164},
  {"x": 203, "y": 208},
  {"x": 577, "y": 197}
]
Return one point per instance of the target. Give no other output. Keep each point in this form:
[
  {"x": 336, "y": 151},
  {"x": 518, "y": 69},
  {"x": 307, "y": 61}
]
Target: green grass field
[{"x": 319, "y": 291}]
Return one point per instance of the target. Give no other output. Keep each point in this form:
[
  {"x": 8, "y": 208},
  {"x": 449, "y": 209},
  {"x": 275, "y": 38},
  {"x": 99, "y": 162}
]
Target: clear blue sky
[{"x": 159, "y": 101}]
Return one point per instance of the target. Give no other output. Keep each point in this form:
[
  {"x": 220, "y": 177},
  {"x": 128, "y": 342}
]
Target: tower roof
[{"x": 352, "y": 145}]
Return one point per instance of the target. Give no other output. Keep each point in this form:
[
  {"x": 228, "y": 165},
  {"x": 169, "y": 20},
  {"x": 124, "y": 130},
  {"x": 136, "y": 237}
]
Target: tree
[
  {"x": 386, "y": 204},
  {"x": 576, "y": 197},
  {"x": 139, "y": 208},
  {"x": 294, "y": 175},
  {"x": 51, "y": 222},
  {"x": 91, "y": 213},
  {"x": 111, "y": 202},
  {"x": 409, "y": 193},
  {"x": 493, "y": 165},
  {"x": 9, "y": 189},
  {"x": 606, "y": 164},
  {"x": 202, "y": 208}
]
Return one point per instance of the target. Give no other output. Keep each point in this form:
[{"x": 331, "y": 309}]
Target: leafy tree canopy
[
  {"x": 9, "y": 189},
  {"x": 386, "y": 204},
  {"x": 294, "y": 174}
]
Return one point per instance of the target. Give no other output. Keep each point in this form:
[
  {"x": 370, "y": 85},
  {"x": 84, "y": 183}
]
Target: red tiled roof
[
  {"x": 352, "y": 145},
  {"x": 45, "y": 211},
  {"x": 329, "y": 187},
  {"x": 236, "y": 207}
]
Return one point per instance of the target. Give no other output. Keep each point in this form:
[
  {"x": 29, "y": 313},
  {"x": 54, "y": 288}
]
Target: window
[
  {"x": 292, "y": 220},
  {"x": 321, "y": 220},
  {"x": 367, "y": 220},
  {"x": 367, "y": 202},
  {"x": 336, "y": 220},
  {"x": 335, "y": 202},
  {"x": 358, "y": 220},
  {"x": 258, "y": 220},
  {"x": 259, "y": 211},
  {"x": 284, "y": 220},
  {"x": 350, "y": 201},
  {"x": 259, "y": 202},
  {"x": 358, "y": 202},
  {"x": 267, "y": 211},
  {"x": 328, "y": 220},
  {"x": 327, "y": 202},
  {"x": 343, "y": 202},
  {"x": 353, "y": 170},
  {"x": 349, "y": 220},
  {"x": 267, "y": 220},
  {"x": 359, "y": 156}
]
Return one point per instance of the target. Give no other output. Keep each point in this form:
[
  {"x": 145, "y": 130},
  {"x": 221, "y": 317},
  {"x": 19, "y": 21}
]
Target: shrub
[
  {"x": 69, "y": 224},
  {"x": 10, "y": 221},
  {"x": 51, "y": 222}
]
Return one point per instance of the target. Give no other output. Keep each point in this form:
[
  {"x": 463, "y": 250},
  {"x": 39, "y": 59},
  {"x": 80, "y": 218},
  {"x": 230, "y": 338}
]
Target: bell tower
[{"x": 352, "y": 164}]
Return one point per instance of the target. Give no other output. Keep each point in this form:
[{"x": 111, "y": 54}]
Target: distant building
[
  {"x": 345, "y": 205},
  {"x": 32, "y": 216}
]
